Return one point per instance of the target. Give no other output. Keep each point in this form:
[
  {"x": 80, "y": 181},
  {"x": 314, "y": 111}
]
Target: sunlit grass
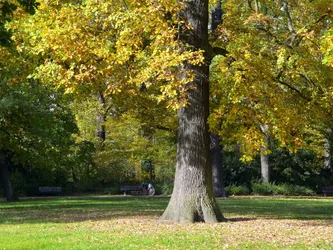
[{"x": 132, "y": 223}]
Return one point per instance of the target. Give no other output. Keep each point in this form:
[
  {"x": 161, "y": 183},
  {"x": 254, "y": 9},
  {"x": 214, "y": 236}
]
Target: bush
[
  {"x": 166, "y": 188},
  {"x": 158, "y": 189},
  {"x": 280, "y": 189},
  {"x": 237, "y": 190},
  {"x": 295, "y": 190},
  {"x": 262, "y": 188}
]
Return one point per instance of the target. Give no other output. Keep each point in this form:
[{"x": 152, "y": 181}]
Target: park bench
[
  {"x": 49, "y": 190},
  {"x": 327, "y": 190},
  {"x": 144, "y": 189}
]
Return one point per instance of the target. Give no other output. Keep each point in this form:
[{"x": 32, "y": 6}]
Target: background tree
[{"x": 273, "y": 72}]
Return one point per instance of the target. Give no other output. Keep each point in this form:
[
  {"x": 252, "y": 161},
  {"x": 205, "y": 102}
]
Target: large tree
[
  {"x": 273, "y": 72},
  {"x": 192, "y": 198},
  {"x": 122, "y": 45}
]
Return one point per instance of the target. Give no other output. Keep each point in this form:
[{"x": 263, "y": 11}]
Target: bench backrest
[{"x": 49, "y": 189}]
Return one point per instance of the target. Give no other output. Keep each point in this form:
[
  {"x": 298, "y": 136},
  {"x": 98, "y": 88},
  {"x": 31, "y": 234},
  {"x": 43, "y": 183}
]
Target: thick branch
[
  {"x": 219, "y": 51},
  {"x": 294, "y": 89}
]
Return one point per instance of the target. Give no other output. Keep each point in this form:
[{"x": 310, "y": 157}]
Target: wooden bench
[
  {"x": 327, "y": 190},
  {"x": 126, "y": 189},
  {"x": 49, "y": 190}
]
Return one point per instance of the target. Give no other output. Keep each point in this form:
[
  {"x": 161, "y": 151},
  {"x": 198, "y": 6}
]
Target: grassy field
[{"x": 132, "y": 223}]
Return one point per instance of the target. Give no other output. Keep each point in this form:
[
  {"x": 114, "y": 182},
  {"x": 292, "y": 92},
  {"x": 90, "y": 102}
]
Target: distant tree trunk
[
  {"x": 215, "y": 147},
  {"x": 4, "y": 177},
  {"x": 216, "y": 16},
  {"x": 264, "y": 157},
  {"x": 328, "y": 150},
  {"x": 101, "y": 118},
  {"x": 216, "y": 162},
  {"x": 192, "y": 198}
]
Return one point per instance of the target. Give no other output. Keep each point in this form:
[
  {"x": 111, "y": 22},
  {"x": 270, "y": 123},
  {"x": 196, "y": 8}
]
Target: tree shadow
[
  {"x": 279, "y": 208},
  {"x": 69, "y": 210},
  {"x": 78, "y": 209},
  {"x": 240, "y": 219}
]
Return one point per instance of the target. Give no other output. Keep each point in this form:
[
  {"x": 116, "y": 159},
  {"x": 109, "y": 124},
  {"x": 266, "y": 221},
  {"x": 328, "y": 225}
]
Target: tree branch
[
  {"x": 219, "y": 51},
  {"x": 294, "y": 89}
]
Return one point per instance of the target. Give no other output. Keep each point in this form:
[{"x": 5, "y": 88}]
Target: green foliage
[
  {"x": 234, "y": 189},
  {"x": 128, "y": 143},
  {"x": 302, "y": 168},
  {"x": 82, "y": 167},
  {"x": 327, "y": 47},
  {"x": 34, "y": 126},
  {"x": 6, "y": 13},
  {"x": 259, "y": 188},
  {"x": 238, "y": 172},
  {"x": 262, "y": 188},
  {"x": 18, "y": 183},
  {"x": 166, "y": 188}
]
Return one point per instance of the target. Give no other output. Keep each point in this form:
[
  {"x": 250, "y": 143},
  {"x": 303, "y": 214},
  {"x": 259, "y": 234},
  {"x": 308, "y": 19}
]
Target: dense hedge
[{"x": 258, "y": 188}]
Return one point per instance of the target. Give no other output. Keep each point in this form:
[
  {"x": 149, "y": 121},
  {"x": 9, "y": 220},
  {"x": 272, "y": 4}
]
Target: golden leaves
[
  {"x": 270, "y": 74},
  {"x": 99, "y": 43}
]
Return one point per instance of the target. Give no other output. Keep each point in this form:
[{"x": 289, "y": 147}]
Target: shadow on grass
[
  {"x": 278, "y": 208},
  {"x": 240, "y": 219},
  {"x": 76, "y": 209}
]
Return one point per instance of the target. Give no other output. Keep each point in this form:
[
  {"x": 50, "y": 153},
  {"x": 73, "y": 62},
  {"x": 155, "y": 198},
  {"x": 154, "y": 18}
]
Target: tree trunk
[
  {"x": 216, "y": 163},
  {"x": 327, "y": 153},
  {"x": 192, "y": 199},
  {"x": 264, "y": 158},
  {"x": 216, "y": 17},
  {"x": 4, "y": 177},
  {"x": 101, "y": 118}
]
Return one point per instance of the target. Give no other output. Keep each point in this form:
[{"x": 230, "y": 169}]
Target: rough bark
[
  {"x": 264, "y": 157},
  {"x": 192, "y": 199},
  {"x": 216, "y": 163},
  {"x": 4, "y": 177}
]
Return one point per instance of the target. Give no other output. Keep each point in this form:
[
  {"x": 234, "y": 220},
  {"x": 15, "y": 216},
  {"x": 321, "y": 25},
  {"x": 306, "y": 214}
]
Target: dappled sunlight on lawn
[{"x": 133, "y": 223}]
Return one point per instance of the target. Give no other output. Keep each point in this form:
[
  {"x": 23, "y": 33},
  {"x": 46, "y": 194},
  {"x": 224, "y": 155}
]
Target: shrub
[
  {"x": 297, "y": 190},
  {"x": 158, "y": 189},
  {"x": 166, "y": 188},
  {"x": 237, "y": 190},
  {"x": 280, "y": 189},
  {"x": 262, "y": 188}
]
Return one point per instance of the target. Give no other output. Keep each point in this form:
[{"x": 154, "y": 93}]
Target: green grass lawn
[{"x": 132, "y": 223}]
